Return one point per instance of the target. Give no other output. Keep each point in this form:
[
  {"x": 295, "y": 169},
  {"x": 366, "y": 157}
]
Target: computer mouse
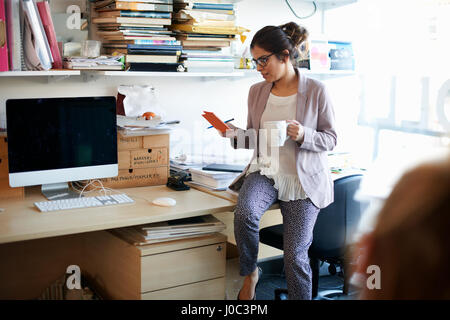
[{"x": 164, "y": 202}]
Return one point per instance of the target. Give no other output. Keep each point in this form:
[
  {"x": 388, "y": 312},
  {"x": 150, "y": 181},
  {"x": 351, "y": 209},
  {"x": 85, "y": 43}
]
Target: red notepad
[
  {"x": 3, "y": 43},
  {"x": 44, "y": 12},
  {"x": 215, "y": 122}
]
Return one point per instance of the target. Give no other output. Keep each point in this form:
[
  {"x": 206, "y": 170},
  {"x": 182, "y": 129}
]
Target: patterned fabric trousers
[{"x": 256, "y": 195}]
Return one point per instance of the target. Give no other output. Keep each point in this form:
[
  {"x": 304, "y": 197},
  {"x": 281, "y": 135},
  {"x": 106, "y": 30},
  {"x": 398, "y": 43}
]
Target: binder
[
  {"x": 4, "y": 65},
  {"x": 215, "y": 122},
  {"x": 40, "y": 39},
  {"x": 44, "y": 12},
  {"x": 13, "y": 27}
]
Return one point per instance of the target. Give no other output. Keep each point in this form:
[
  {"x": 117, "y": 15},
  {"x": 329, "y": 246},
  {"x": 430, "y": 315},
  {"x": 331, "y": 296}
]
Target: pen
[{"x": 223, "y": 122}]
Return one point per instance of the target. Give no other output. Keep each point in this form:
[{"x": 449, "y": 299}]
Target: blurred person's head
[{"x": 411, "y": 240}]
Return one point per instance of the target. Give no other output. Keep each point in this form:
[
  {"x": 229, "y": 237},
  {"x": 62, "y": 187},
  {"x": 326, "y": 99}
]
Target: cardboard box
[
  {"x": 4, "y": 173},
  {"x": 124, "y": 158},
  {"x": 148, "y": 158},
  {"x": 129, "y": 178},
  {"x": 128, "y": 143},
  {"x": 143, "y": 161},
  {"x": 156, "y": 141},
  {"x": 3, "y": 145}
]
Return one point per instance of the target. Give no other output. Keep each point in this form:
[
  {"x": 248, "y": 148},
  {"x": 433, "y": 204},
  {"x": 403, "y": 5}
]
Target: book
[
  {"x": 171, "y": 230},
  {"x": 157, "y": 67},
  {"x": 151, "y": 58},
  {"x": 4, "y": 58},
  {"x": 205, "y": 43},
  {"x": 208, "y": 29},
  {"x": 100, "y": 4},
  {"x": 14, "y": 36},
  {"x": 137, "y": 6},
  {"x": 126, "y": 37},
  {"x": 44, "y": 12},
  {"x": 128, "y": 13},
  {"x": 133, "y": 20},
  {"x": 155, "y": 46},
  {"x": 215, "y": 121},
  {"x": 155, "y": 52},
  {"x": 214, "y": 174},
  {"x": 210, "y": 182},
  {"x": 222, "y": 167}
]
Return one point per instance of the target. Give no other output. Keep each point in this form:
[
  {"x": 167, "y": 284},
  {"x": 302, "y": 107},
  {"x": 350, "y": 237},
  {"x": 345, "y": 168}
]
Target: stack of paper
[
  {"x": 170, "y": 230},
  {"x": 216, "y": 180},
  {"x": 206, "y": 30},
  {"x": 100, "y": 63}
]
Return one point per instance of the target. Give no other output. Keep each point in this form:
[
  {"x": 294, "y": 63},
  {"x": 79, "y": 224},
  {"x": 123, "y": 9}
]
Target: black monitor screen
[{"x": 59, "y": 133}]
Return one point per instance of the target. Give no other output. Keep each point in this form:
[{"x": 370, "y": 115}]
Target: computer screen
[{"x": 53, "y": 140}]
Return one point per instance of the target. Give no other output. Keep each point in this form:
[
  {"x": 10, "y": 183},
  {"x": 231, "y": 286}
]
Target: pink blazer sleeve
[{"x": 324, "y": 138}]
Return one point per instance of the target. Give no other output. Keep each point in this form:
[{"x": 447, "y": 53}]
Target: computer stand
[{"x": 58, "y": 191}]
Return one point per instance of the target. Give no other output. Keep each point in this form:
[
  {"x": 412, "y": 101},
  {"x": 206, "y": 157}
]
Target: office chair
[{"x": 333, "y": 230}]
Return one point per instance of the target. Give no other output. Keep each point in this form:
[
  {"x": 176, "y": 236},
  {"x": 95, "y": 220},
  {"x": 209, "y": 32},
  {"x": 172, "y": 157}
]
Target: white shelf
[
  {"x": 40, "y": 73},
  {"x": 169, "y": 74},
  {"x": 65, "y": 73},
  {"x": 312, "y": 73}
]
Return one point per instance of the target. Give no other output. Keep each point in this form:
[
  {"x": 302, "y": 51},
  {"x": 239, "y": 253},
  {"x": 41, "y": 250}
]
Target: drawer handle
[{"x": 219, "y": 248}]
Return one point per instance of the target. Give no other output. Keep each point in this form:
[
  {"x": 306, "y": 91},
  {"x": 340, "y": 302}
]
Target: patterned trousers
[{"x": 256, "y": 195}]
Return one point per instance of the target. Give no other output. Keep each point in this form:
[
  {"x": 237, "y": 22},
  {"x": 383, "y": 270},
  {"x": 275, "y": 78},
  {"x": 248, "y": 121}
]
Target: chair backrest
[{"x": 336, "y": 223}]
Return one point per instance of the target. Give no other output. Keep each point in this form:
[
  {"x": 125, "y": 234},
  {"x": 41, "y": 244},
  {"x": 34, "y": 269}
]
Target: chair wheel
[
  {"x": 281, "y": 294},
  {"x": 332, "y": 269}
]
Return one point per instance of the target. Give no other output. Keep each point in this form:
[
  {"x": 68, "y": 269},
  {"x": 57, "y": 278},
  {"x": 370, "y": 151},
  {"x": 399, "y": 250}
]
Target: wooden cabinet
[{"x": 183, "y": 269}]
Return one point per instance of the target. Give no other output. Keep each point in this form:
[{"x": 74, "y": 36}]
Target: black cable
[{"x": 305, "y": 17}]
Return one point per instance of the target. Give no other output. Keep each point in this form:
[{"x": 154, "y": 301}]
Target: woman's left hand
[{"x": 295, "y": 130}]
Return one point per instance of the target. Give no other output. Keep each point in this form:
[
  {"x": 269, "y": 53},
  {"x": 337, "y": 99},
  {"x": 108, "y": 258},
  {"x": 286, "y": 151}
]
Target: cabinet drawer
[
  {"x": 171, "y": 269},
  {"x": 203, "y": 290}
]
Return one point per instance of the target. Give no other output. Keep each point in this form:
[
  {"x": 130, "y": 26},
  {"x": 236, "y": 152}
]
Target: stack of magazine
[
  {"x": 216, "y": 180},
  {"x": 170, "y": 230}
]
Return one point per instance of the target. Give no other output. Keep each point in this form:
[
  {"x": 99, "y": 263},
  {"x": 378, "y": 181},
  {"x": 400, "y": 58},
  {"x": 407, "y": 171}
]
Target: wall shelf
[
  {"x": 40, "y": 73},
  {"x": 324, "y": 73},
  {"x": 88, "y": 74},
  {"x": 169, "y": 74}
]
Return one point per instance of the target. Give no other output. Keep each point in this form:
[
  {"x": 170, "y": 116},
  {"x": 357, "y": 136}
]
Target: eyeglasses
[{"x": 262, "y": 61}]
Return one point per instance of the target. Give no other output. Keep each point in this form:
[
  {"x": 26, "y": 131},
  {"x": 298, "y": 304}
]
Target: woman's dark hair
[{"x": 276, "y": 39}]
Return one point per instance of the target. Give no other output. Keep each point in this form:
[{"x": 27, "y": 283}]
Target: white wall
[{"x": 186, "y": 98}]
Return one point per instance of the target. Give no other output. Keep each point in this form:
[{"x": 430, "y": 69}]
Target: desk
[
  {"x": 21, "y": 220},
  {"x": 58, "y": 239}
]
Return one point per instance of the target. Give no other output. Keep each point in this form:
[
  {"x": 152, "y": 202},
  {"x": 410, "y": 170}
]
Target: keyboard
[{"x": 83, "y": 202}]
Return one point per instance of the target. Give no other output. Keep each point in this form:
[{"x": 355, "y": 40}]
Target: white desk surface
[{"x": 21, "y": 220}]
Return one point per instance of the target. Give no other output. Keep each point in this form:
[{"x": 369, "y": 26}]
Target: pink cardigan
[{"x": 315, "y": 112}]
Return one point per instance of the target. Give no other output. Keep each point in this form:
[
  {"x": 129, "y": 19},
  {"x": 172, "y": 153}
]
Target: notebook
[{"x": 215, "y": 122}]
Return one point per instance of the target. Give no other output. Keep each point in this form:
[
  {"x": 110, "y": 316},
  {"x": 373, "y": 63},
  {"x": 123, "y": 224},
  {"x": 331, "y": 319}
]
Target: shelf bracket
[{"x": 52, "y": 79}]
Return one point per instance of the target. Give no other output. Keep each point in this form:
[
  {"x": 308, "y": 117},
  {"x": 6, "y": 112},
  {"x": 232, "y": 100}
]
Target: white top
[{"x": 286, "y": 179}]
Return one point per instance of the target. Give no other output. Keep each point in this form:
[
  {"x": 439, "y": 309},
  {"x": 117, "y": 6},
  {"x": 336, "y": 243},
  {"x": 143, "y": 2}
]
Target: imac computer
[{"x": 53, "y": 141}]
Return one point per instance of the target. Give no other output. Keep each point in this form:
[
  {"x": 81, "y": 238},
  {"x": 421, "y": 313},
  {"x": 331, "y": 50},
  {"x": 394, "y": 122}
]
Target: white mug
[{"x": 276, "y": 132}]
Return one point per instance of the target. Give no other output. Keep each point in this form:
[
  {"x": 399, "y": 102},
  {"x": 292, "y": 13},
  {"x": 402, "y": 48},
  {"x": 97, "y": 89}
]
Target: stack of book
[
  {"x": 139, "y": 30},
  {"x": 27, "y": 37},
  {"x": 215, "y": 180},
  {"x": 170, "y": 230},
  {"x": 206, "y": 29}
]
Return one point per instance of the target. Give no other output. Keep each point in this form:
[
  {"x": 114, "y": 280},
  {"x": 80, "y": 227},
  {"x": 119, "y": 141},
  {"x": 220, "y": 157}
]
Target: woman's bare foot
[{"x": 248, "y": 288}]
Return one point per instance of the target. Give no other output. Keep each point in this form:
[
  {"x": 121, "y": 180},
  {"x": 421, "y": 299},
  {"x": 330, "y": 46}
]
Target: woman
[{"x": 302, "y": 183}]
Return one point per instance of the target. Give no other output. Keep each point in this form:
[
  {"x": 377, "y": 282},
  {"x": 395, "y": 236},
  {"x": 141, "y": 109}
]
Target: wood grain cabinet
[{"x": 183, "y": 269}]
